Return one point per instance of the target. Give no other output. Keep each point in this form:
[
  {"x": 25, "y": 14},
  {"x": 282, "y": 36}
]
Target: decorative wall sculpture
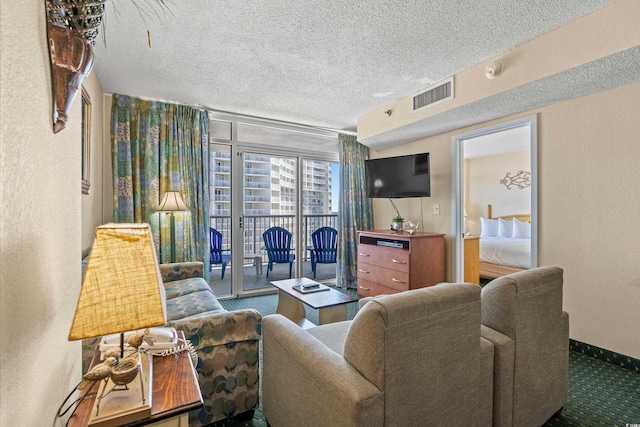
[
  {"x": 522, "y": 179},
  {"x": 72, "y": 26}
]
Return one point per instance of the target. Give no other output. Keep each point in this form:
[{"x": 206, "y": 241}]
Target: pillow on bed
[
  {"x": 521, "y": 230},
  {"x": 488, "y": 227},
  {"x": 505, "y": 228}
]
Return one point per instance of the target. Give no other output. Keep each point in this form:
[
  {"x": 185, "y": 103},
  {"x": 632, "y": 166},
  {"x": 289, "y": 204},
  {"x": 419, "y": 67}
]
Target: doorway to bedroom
[{"x": 494, "y": 208}]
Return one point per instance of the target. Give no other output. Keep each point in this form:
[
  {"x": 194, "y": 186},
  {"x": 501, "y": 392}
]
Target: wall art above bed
[{"x": 522, "y": 179}]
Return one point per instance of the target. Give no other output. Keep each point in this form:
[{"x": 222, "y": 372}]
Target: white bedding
[{"x": 511, "y": 252}]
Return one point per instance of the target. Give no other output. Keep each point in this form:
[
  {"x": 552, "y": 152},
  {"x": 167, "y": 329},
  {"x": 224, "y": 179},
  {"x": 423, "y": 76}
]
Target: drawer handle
[
  {"x": 362, "y": 287},
  {"x": 393, "y": 279},
  {"x": 363, "y": 271},
  {"x": 363, "y": 254},
  {"x": 397, "y": 261}
]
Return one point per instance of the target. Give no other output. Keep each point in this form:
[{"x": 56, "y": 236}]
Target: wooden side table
[{"x": 175, "y": 392}]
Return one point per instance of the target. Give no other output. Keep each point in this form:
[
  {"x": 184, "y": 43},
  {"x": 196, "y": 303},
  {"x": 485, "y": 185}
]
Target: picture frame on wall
[{"x": 86, "y": 141}]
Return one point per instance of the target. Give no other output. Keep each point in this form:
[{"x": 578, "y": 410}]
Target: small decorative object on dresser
[{"x": 397, "y": 223}]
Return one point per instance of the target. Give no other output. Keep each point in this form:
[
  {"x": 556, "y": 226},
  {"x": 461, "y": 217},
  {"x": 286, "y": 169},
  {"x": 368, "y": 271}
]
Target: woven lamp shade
[{"x": 122, "y": 288}]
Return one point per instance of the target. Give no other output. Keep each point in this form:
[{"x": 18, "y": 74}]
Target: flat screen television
[{"x": 396, "y": 177}]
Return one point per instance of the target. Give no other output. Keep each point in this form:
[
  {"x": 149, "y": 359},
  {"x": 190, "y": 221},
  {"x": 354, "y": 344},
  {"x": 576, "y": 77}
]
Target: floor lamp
[{"x": 172, "y": 202}]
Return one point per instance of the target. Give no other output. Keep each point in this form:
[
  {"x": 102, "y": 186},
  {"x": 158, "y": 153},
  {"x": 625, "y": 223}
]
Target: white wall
[
  {"x": 588, "y": 198},
  {"x": 483, "y": 187},
  {"x": 40, "y": 226}
]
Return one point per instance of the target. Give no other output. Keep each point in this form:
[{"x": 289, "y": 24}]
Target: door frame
[{"x": 457, "y": 201}]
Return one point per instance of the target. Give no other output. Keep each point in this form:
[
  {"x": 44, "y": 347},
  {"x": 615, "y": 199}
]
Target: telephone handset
[{"x": 162, "y": 338}]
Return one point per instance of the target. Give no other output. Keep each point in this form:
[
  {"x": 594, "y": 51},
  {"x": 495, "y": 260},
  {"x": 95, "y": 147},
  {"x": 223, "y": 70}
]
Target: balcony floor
[{"x": 326, "y": 273}]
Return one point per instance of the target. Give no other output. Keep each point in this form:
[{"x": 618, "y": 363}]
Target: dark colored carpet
[{"x": 600, "y": 393}]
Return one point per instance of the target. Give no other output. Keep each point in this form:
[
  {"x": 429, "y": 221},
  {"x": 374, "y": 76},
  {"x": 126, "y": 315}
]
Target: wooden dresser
[{"x": 390, "y": 262}]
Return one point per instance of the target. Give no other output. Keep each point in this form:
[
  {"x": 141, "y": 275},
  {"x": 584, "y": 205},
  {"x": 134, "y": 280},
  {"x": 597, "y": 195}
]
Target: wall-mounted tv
[{"x": 395, "y": 177}]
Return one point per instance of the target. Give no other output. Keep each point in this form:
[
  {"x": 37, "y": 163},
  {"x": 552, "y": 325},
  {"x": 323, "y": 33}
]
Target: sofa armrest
[
  {"x": 503, "y": 367},
  {"x": 305, "y": 380},
  {"x": 363, "y": 301},
  {"x": 216, "y": 329},
  {"x": 228, "y": 366},
  {"x": 181, "y": 270}
]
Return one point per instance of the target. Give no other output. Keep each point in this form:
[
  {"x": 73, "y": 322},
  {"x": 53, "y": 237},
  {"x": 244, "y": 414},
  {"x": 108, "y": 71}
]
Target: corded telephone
[{"x": 162, "y": 338}]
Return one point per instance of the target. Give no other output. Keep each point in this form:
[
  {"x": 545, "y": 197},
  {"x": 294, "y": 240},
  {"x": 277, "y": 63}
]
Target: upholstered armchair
[
  {"x": 414, "y": 358},
  {"x": 522, "y": 315}
]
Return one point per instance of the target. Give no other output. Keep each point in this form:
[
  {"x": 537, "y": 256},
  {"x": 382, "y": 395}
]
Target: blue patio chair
[
  {"x": 277, "y": 243},
  {"x": 325, "y": 247},
  {"x": 216, "y": 252}
]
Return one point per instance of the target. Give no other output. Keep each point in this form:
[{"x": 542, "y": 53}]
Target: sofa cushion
[
  {"x": 332, "y": 334},
  {"x": 192, "y": 304},
  {"x": 185, "y": 286}
]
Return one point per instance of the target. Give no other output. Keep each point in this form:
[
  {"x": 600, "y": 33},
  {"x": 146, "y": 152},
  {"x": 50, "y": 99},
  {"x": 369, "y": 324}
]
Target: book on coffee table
[{"x": 307, "y": 289}]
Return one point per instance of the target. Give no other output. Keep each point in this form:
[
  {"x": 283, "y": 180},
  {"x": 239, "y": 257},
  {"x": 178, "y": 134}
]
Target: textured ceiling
[
  {"x": 321, "y": 63},
  {"x": 606, "y": 73}
]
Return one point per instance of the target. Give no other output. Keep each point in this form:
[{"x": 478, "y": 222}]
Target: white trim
[{"x": 276, "y": 124}]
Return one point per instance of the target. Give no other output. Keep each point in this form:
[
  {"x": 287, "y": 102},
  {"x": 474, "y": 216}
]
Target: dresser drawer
[
  {"x": 370, "y": 289},
  {"x": 384, "y": 276},
  {"x": 395, "y": 259}
]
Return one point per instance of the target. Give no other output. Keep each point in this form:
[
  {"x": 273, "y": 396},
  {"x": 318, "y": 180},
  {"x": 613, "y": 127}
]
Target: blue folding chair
[
  {"x": 216, "y": 252},
  {"x": 277, "y": 243},
  {"x": 325, "y": 247}
]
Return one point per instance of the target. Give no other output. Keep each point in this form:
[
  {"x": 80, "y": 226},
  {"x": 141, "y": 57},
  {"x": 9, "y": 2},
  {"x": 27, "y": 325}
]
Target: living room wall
[
  {"x": 40, "y": 225},
  {"x": 588, "y": 201}
]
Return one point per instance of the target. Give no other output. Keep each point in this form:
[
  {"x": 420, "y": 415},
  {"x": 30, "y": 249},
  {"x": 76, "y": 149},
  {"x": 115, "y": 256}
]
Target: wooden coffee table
[{"x": 331, "y": 304}]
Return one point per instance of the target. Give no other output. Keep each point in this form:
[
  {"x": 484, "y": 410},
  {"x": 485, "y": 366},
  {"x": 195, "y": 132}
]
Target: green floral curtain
[
  {"x": 355, "y": 208},
  {"x": 158, "y": 147}
]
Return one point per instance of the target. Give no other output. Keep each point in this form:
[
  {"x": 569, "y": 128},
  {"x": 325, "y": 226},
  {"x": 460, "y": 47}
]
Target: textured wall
[
  {"x": 40, "y": 232},
  {"x": 588, "y": 207}
]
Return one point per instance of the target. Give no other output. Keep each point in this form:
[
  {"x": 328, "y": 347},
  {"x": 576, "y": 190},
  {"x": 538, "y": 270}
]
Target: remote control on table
[{"x": 310, "y": 286}]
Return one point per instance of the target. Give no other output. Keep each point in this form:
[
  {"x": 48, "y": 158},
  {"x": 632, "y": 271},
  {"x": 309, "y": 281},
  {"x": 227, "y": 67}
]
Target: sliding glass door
[
  {"x": 320, "y": 210},
  {"x": 269, "y": 205},
  {"x": 263, "y": 178}
]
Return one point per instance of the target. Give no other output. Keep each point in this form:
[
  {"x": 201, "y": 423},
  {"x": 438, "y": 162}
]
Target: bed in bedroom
[{"x": 505, "y": 244}]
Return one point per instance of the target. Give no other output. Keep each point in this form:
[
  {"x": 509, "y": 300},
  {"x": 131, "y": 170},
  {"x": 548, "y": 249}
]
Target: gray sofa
[
  {"x": 227, "y": 344},
  {"x": 446, "y": 355}
]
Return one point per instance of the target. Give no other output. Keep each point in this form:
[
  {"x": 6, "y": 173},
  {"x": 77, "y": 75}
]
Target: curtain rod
[{"x": 299, "y": 126}]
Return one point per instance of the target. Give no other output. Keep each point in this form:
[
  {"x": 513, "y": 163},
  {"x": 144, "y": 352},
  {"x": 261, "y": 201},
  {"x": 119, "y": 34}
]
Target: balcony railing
[{"x": 255, "y": 225}]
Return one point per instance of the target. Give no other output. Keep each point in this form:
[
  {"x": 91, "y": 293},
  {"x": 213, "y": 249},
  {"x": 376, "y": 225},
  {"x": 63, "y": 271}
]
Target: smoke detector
[{"x": 494, "y": 69}]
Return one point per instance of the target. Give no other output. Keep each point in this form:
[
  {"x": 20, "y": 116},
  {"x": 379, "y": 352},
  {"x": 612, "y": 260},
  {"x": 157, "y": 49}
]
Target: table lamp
[
  {"x": 172, "y": 202},
  {"x": 122, "y": 289}
]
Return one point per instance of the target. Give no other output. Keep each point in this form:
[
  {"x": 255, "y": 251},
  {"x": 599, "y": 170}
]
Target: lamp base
[{"x": 122, "y": 406}]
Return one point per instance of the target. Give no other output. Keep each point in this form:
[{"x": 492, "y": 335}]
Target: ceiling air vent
[{"x": 434, "y": 94}]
